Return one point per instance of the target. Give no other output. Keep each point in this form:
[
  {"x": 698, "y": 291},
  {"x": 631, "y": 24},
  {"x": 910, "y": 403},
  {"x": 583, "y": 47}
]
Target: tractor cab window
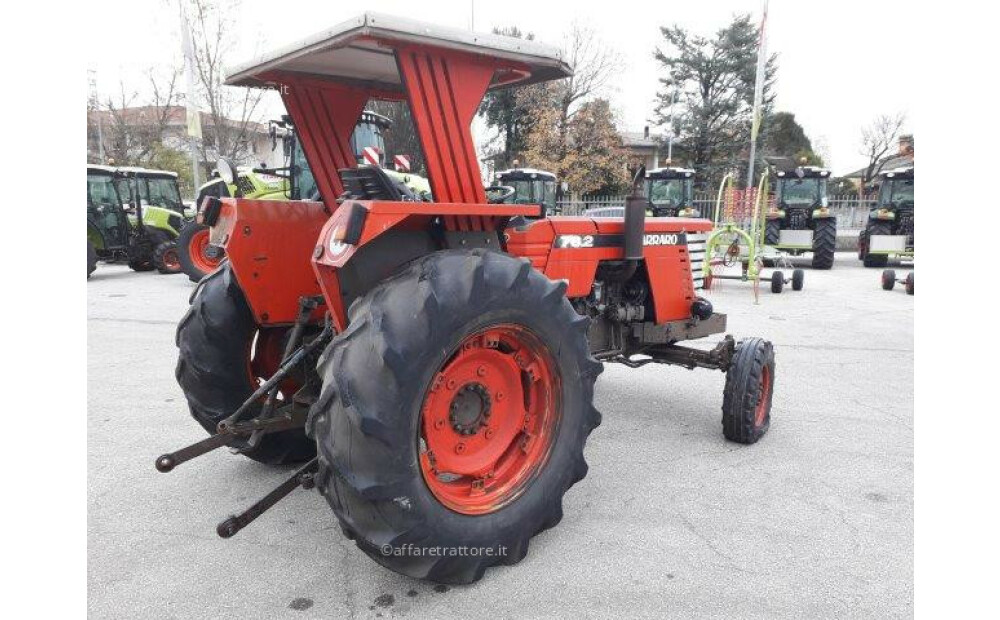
[
  {"x": 897, "y": 192},
  {"x": 529, "y": 191},
  {"x": 800, "y": 191},
  {"x": 667, "y": 192},
  {"x": 162, "y": 192},
  {"x": 305, "y": 182},
  {"x": 101, "y": 191},
  {"x": 366, "y": 134},
  {"x": 549, "y": 194}
]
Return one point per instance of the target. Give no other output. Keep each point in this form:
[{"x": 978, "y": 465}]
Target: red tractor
[{"x": 432, "y": 363}]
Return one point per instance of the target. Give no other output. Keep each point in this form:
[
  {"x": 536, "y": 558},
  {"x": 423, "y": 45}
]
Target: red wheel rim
[
  {"x": 765, "y": 396},
  {"x": 170, "y": 260},
  {"x": 264, "y": 358},
  {"x": 198, "y": 250},
  {"x": 489, "y": 419}
]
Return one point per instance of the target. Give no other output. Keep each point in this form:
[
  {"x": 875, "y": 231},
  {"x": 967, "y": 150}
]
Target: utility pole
[
  {"x": 758, "y": 95},
  {"x": 96, "y": 103},
  {"x": 193, "y": 116},
  {"x": 670, "y": 138}
]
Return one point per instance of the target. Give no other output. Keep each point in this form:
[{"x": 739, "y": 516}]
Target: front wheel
[
  {"x": 875, "y": 228},
  {"x": 165, "y": 257},
  {"x": 454, "y": 413},
  {"x": 909, "y": 283},
  {"x": 772, "y": 232},
  {"x": 824, "y": 243},
  {"x": 888, "y": 279},
  {"x": 746, "y": 401},
  {"x": 91, "y": 258},
  {"x": 798, "y": 279},
  {"x": 777, "y": 281}
]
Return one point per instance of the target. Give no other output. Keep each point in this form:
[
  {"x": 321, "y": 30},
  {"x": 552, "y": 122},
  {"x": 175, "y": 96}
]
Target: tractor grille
[
  {"x": 245, "y": 185},
  {"x": 696, "y": 250}
]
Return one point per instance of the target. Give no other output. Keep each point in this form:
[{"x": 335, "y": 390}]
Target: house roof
[
  {"x": 639, "y": 139},
  {"x": 894, "y": 161}
]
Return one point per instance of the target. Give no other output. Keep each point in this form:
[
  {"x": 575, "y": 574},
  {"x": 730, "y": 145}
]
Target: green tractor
[
  {"x": 800, "y": 220},
  {"x": 133, "y": 215},
  {"x": 670, "y": 192},
  {"x": 293, "y": 181},
  {"x": 524, "y": 186},
  {"x": 889, "y": 231}
]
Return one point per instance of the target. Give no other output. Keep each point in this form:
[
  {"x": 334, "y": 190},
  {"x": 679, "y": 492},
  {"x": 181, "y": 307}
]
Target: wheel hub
[{"x": 470, "y": 409}]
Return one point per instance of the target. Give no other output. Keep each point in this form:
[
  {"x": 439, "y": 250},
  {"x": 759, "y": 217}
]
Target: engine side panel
[{"x": 571, "y": 248}]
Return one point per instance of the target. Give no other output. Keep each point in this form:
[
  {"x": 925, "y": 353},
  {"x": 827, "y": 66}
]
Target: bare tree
[
  {"x": 594, "y": 64},
  {"x": 134, "y": 132},
  {"x": 232, "y": 111},
  {"x": 877, "y": 140}
]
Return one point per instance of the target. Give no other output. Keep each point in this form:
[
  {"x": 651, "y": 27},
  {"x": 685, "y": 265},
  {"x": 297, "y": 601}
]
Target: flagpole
[
  {"x": 758, "y": 95},
  {"x": 193, "y": 116}
]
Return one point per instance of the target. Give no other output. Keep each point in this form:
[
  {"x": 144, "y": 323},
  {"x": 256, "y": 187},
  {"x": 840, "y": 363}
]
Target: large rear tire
[
  {"x": 194, "y": 253},
  {"x": 824, "y": 243},
  {"x": 399, "y": 445},
  {"x": 219, "y": 341},
  {"x": 91, "y": 258},
  {"x": 772, "y": 232},
  {"x": 875, "y": 228}
]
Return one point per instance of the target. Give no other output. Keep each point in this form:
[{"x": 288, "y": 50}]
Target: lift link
[
  {"x": 303, "y": 477},
  {"x": 293, "y": 418}
]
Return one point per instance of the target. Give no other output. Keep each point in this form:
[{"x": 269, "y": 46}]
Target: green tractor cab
[
  {"x": 670, "y": 192},
  {"x": 133, "y": 215},
  {"x": 293, "y": 181},
  {"x": 889, "y": 230},
  {"x": 525, "y": 186},
  {"x": 800, "y": 220}
]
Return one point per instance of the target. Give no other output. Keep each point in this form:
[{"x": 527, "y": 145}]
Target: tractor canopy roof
[
  {"x": 362, "y": 50},
  {"x": 670, "y": 172},
  {"x": 905, "y": 172},
  {"x": 98, "y": 169},
  {"x": 442, "y": 73},
  {"x": 804, "y": 172},
  {"x": 525, "y": 174},
  {"x": 146, "y": 173}
]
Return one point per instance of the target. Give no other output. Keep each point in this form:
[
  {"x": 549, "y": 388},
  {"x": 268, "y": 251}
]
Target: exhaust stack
[{"x": 635, "y": 217}]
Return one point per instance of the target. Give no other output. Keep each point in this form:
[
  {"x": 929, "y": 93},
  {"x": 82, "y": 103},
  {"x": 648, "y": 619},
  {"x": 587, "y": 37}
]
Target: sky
[{"x": 839, "y": 64}]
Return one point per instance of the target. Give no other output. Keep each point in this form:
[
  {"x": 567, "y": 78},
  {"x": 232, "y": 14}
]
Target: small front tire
[
  {"x": 777, "y": 282},
  {"x": 909, "y": 283},
  {"x": 888, "y": 279},
  {"x": 746, "y": 401},
  {"x": 798, "y": 279}
]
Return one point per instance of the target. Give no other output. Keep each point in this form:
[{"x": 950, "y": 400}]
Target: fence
[{"x": 850, "y": 210}]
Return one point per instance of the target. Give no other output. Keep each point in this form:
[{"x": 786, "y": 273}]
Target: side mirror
[{"x": 226, "y": 170}]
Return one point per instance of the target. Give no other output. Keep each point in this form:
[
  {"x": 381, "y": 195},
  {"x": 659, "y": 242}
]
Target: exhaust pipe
[{"x": 635, "y": 217}]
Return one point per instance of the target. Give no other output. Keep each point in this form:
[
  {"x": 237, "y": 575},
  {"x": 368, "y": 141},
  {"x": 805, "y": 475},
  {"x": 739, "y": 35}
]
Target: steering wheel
[{"x": 505, "y": 192}]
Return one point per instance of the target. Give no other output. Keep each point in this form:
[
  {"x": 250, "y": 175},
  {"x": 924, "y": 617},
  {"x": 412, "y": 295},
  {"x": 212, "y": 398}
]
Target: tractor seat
[{"x": 372, "y": 183}]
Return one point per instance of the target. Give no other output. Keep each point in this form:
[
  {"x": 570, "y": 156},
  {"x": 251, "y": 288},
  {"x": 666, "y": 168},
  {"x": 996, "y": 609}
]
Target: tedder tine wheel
[
  {"x": 453, "y": 414},
  {"x": 798, "y": 279},
  {"x": 888, "y": 279},
  {"x": 777, "y": 281},
  {"x": 909, "y": 283},
  {"x": 746, "y": 401}
]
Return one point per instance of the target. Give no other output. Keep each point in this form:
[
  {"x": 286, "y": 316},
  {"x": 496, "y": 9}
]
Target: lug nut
[
  {"x": 481, "y": 371},
  {"x": 459, "y": 448},
  {"x": 489, "y": 433},
  {"x": 439, "y": 424}
]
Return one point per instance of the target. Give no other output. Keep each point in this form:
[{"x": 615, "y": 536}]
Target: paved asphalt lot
[{"x": 816, "y": 520}]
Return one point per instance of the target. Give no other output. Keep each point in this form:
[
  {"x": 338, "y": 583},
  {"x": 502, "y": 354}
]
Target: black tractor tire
[
  {"x": 888, "y": 279},
  {"x": 91, "y": 258},
  {"x": 141, "y": 264},
  {"x": 824, "y": 243},
  {"x": 188, "y": 266},
  {"x": 214, "y": 338},
  {"x": 875, "y": 228},
  {"x": 777, "y": 281},
  {"x": 772, "y": 232},
  {"x": 375, "y": 377},
  {"x": 909, "y": 283},
  {"x": 798, "y": 279},
  {"x": 746, "y": 400},
  {"x": 862, "y": 244},
  {"x": 165, "y": 257}
]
